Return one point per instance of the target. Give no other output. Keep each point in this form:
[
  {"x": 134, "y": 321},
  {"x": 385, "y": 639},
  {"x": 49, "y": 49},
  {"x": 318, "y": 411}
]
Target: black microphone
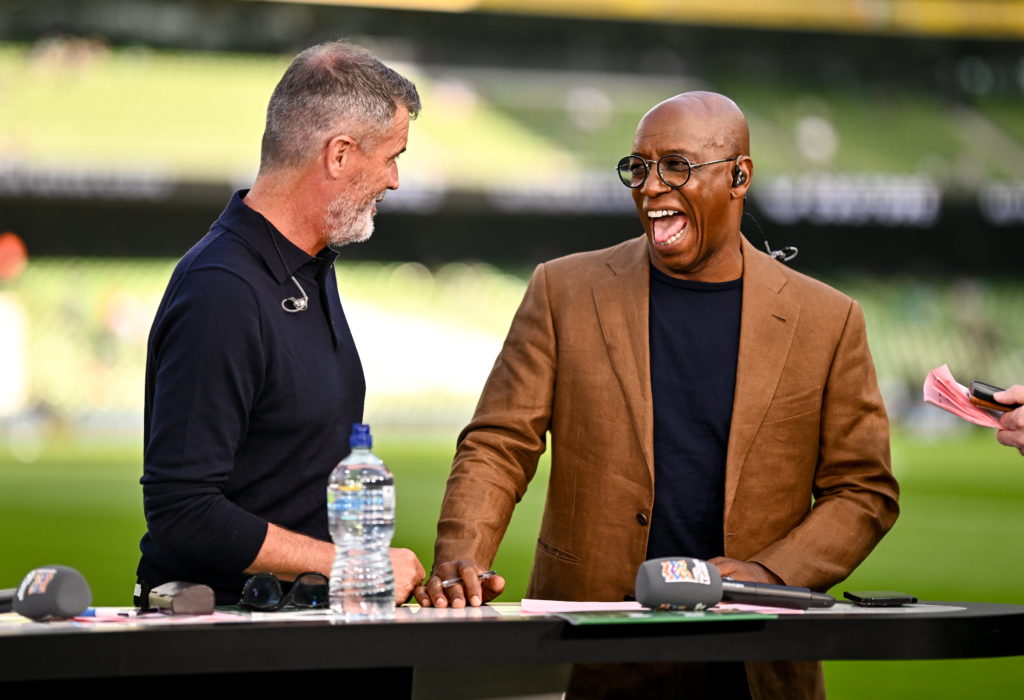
[
  {"x": 50, "y": 593},
  {"x": 685, "y": 583}
]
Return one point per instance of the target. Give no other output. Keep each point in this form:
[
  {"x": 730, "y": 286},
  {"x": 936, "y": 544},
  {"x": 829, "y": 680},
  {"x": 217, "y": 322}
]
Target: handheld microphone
[
  {"x": 685, "y": 583},
  {"x": 50, "y": 593}
]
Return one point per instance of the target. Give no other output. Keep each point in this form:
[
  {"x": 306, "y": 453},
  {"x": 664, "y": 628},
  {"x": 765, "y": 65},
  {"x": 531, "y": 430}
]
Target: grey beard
[{"x": 348, "y": 221}]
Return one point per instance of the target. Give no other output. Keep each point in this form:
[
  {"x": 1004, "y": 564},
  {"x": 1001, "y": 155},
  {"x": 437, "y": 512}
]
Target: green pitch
[{"x": 958, "y": 537}]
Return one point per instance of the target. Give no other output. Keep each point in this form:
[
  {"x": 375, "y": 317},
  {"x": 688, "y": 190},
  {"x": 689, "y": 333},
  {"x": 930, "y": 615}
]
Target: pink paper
[
  {"x": 106, "y": 615},
  {"x": 942, "y": 390},
  {"x": 535, "y": 606}
]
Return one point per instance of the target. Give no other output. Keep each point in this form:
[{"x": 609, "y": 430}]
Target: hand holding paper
[
  {"x": 1012, "y": 434},
  {"x": 942, "y": 390}
]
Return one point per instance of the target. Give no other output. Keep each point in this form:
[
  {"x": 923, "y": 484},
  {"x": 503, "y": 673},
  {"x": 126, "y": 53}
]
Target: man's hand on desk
[
  {"x": 287, "y": 554},
  {"x": 408, "y": 573},
  {"x": 472, "y": 588},
  {"x": 744, "y": 570}
]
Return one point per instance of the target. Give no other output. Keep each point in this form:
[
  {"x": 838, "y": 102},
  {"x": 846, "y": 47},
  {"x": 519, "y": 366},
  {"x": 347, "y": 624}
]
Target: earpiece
[{"x": 739, "y": 177}]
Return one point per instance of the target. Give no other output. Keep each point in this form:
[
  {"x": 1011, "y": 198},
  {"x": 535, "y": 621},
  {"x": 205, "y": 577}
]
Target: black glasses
[
  {"x": 264, "y": 592},
  {"x": 673, "y": 170}
]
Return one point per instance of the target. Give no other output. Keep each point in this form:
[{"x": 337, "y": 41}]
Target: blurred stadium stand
[
  {"x": 888, "y": 138},
  {"x": 884, "y": 139}
]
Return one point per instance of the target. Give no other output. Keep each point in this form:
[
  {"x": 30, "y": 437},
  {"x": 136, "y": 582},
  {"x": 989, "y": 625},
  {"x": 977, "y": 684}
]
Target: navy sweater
[
  {"x": 694, "y": 342},
  {"x": 248, "y": 407}
]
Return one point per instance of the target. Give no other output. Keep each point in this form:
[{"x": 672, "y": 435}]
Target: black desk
[{"x": 435, "y": 642}]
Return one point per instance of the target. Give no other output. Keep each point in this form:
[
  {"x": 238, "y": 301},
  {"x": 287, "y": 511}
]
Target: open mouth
[{"x": 668, "y": 225}]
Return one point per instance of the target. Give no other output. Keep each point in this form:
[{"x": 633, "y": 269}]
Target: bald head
[
  {"x": 690, "y": 206},
  {"x": 724, "y": 128}
]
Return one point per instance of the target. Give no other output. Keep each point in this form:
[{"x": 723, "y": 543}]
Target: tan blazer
[{"x": 809, "y": 490}]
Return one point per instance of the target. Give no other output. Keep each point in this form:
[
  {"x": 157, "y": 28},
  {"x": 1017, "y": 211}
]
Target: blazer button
[{"x": 641, "y": 518}]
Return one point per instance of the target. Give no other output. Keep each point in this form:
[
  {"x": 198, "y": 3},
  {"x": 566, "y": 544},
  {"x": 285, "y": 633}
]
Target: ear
[
  {"x": 742, "y": 173},
  {"x": 336, "y": 154}
]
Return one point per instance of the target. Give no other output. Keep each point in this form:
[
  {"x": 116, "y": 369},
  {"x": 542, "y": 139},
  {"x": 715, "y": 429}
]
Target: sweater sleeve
[{"x": 206, "y": 369}]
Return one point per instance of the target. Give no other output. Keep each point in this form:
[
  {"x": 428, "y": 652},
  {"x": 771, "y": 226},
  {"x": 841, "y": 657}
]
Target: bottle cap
[{"x": 360, "y": 436}]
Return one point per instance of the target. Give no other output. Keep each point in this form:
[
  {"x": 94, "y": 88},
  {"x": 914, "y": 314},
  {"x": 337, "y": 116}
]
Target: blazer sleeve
[
  {"x": 498, "y": 451},
  {"x": 855, "y": 493}
]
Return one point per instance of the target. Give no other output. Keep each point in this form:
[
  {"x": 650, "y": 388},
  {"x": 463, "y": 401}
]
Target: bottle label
[
  {"x": 344, "y": 499},
  {"x": 355, "y": 500}
]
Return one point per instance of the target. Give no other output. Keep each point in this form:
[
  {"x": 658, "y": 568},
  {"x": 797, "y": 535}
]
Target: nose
[
  {"x": 653, "y": 185},
  {"x": 392, "y": 183}
]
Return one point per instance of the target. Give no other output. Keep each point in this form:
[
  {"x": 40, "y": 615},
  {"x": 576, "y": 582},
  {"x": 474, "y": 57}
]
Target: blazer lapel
[
  {"x": 767, "y": 325},
  {"x": 622, "y": 302}
]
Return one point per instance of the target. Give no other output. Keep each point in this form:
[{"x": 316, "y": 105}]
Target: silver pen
[{"x": 447, "y": 583}]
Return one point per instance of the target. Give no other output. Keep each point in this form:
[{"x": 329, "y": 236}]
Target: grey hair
[{"x": 327, "y": 87}]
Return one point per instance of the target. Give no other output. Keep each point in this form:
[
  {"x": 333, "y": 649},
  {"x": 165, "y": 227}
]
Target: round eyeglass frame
[{"x": 626, "y": 177}]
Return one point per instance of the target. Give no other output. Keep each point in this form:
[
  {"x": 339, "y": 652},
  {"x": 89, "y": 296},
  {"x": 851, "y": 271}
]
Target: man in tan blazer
[{"x": 807, "y": 489}]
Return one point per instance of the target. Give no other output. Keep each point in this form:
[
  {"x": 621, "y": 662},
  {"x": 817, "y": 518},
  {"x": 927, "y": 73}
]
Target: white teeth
[
  {"x": 657, "y": 214},
  {"x": 671, "y": 239}
]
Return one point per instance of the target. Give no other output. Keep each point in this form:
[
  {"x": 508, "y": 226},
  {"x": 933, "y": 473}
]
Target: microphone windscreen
[
  {"x": 681, "y": 583},
  {"x": 52, "y": 592}
]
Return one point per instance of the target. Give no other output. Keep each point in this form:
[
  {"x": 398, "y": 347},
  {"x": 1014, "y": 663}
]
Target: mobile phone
[
  {"x": 981, "y": 396},
  {"x": 879, "y": 599}
]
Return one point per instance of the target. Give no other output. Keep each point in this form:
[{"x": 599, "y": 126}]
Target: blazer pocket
[
  {"x": 556, "y": 552},
  {"x": 793, "y": 405}
]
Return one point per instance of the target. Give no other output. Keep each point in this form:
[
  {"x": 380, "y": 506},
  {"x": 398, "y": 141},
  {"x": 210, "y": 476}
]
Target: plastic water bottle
[{"x": 361, "y": 514}]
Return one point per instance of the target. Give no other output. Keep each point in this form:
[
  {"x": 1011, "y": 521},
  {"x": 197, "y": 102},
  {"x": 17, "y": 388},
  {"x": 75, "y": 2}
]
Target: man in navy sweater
[{"x": 253, "y": 380}]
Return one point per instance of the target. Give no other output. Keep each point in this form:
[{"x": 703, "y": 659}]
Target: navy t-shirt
[{"x": 694, "y": 341}]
